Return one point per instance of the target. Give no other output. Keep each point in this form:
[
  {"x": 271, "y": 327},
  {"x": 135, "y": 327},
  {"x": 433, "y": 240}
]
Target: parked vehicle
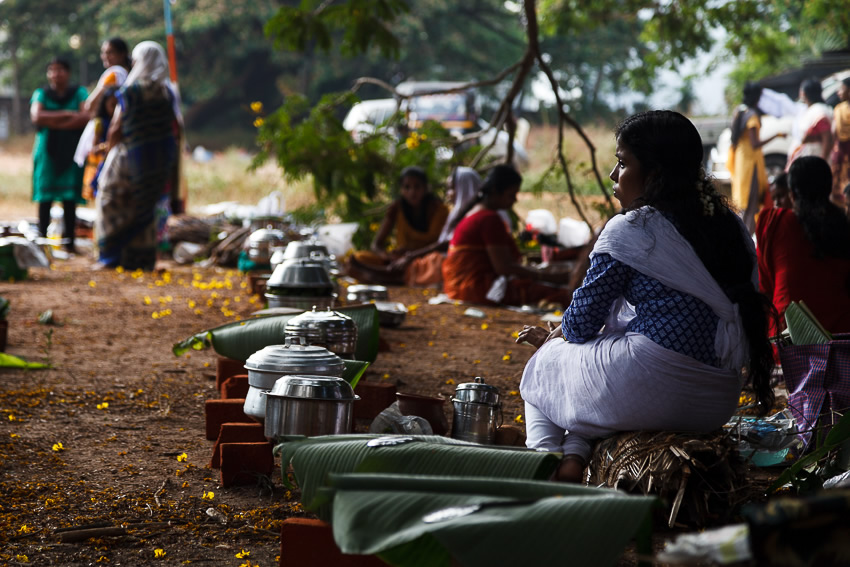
[
  {"x": 776, "y": 151},
  {"x": 365, "y": 117},
  {"x": 456, "y": 112}
]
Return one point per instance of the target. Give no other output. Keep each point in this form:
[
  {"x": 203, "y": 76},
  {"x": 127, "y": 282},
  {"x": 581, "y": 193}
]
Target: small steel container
[
  {"x": 309, "y": 405},
  {"x": 293, "y": 357},
  {"x": 365, "y": 293},
  {"x": 477, "y": 412},
  {"x": 390, "y": 313},
  {"x": 261, "y": 242},
  {"x": 333, "y": 330}
]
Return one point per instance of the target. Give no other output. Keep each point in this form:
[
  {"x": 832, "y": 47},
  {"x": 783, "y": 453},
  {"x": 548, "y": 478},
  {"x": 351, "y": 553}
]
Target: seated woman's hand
[{"x": 536, "y": 336}]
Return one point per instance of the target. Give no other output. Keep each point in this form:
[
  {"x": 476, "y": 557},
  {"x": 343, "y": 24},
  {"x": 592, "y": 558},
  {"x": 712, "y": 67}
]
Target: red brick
[
  {"x": 235, "y": 387},
  {"x": 225, "y": 368},
  {"x": 217, "y": 412},
  {"x": 306, "y": 542},
  {"x": 241, "y": 463},
  {"x": 236, "y": 433},
  {"x": 375, "y": 397}
]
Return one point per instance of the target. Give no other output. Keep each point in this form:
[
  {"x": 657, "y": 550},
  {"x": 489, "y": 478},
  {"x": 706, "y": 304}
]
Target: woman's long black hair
[
  {"x": 669, "y": 150},
  {"x": 120, "y": 46},
  {"x": 752, "y": 94},
  {"x": 825, "y": 225}
]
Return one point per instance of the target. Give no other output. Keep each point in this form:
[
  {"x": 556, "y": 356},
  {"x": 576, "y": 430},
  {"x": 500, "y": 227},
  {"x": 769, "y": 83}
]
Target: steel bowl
[
  {"x": 390, "y": 313},
  {"x": 366, "y": 293}
]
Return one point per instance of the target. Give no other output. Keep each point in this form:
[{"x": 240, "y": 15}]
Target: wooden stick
[{"x": 82, "y": 535}]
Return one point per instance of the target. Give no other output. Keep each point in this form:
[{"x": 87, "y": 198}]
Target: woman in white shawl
[
  {"x": 139, "y": 178},
  {"x": 668, "y": 316},
  {"x": 812, "y": 131}
]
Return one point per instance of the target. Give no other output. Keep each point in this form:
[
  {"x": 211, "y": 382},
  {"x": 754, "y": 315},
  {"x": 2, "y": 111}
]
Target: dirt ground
[{"x": 113, "y": 434}]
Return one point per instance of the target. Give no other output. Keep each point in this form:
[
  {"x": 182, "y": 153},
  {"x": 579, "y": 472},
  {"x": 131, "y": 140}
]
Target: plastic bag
[{"x": 497, "y": 291}]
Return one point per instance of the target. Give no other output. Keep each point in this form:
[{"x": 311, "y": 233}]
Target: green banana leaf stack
[{"x": 419, "y": 501}]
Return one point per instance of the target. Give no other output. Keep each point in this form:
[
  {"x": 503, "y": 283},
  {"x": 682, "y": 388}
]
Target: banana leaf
[
  {"x": 11, "y": 361},
  {"x": 314, "y": 459},
  {"x": 803, "y": 326},
  {"x": 353, "y": 371},
  {"x": 413, "y": 521},
  {"x": 240, "y": 339}
]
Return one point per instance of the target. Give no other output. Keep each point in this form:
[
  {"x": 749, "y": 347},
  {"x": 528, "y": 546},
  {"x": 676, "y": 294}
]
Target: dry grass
[
  {"x": 227, "y": 177},
  {"x": 224, "y": 178}
]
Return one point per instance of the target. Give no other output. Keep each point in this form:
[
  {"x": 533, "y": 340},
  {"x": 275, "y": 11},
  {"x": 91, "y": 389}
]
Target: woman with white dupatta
[
  {"x": 668, "y": 316},
  {"x": 138, "y": 182},
  {"x": 812, "y": 131}
]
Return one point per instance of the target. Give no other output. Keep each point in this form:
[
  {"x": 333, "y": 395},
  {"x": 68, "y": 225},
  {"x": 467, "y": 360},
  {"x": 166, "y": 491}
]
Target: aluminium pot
[
  {"x": 477, "y": 412},
  {"x": 293, "y": 357},
  {"x": 309, "y": 405}
]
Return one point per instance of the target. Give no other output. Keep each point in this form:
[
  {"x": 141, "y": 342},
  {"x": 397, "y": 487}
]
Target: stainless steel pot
[
  {"x": 365, "y": 293},
  {"x": 301, "y": 273},
  {"x": 301, "y": 283},
  {"x": 309, "y": 405},
  {"x": 293, "y": 357},
  {"x": 333, "y": 330},
  {"x": 477, "y": 412},
  {"x": 305, "y": 249},
  {"x": 261, "y": 242},
  {"x": 311, "y": 249}
]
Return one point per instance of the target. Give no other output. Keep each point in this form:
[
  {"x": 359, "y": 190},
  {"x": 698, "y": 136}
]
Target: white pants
[{"x": 542, "y": 433}]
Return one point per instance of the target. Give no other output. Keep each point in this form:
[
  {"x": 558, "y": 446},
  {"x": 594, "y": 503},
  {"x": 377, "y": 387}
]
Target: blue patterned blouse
[{"x": 670, "y": 318}]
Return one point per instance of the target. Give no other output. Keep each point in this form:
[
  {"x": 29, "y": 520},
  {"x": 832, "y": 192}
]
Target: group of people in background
[
  {"x": 470, "y": 251},
  {"x": 118, "y": 145},
  {"x": 802, "y": 234}
]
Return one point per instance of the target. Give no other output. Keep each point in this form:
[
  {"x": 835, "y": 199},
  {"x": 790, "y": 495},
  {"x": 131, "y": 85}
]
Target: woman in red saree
[
  {"x": 804, "y": 252},
  {"x": 484, "y": 264}
]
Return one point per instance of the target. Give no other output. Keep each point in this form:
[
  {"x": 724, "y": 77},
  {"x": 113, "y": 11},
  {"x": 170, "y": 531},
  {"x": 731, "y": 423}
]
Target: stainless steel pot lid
[
  {"x": 477, "y": 392},
  {"x": 327, "y": 321},
  {"x": 305, "y": 249},
  {"x": 301, "y": 273},
  {"x": 296, "y": 357},
  {"x": 311, "y": 387}
]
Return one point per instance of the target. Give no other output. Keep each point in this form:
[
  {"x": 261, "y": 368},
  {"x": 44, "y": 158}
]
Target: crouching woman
[{"x": 668, "y": 316}]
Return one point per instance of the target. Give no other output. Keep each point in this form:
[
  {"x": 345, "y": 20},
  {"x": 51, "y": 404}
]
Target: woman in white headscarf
[{"x": 139, "y": 177}]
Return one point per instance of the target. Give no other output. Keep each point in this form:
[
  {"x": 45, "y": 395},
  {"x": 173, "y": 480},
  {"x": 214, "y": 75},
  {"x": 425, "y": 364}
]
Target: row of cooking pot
[
  {"x": 304, "y": 283},
  {"x": 298, "y": 389}
]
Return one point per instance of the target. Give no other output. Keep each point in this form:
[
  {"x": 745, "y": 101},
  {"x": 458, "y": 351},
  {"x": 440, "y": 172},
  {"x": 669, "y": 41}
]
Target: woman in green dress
[{"x": 56, "y": 111}]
